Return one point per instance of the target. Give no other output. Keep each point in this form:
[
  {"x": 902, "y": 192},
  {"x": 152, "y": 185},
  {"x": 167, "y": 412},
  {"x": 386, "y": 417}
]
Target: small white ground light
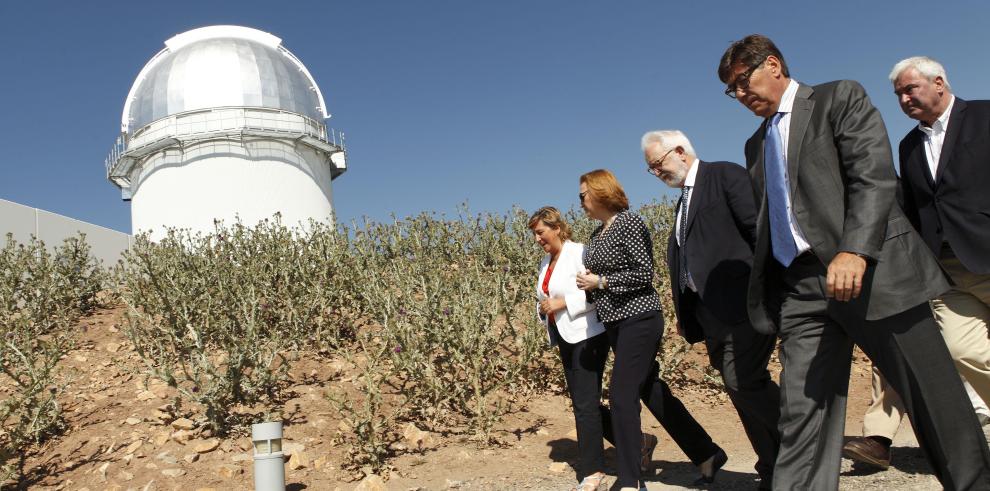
[{"x": 269, "y": 463}]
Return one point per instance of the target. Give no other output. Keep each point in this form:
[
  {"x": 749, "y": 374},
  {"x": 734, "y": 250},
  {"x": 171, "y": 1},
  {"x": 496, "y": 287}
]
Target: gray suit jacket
[{"x": 842, "y": 187}]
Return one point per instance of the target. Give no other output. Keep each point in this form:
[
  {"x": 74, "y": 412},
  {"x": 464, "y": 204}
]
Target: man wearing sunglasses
[{"x": 836, "y": 262}]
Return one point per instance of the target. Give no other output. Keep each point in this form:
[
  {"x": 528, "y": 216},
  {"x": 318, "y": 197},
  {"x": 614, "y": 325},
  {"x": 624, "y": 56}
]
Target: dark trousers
[
  {"x": 584, "y": 366},
  {"x": 817, "y": 337},
  {"x": 741, "y": 355},
  {"x": 635, "y": 376}
]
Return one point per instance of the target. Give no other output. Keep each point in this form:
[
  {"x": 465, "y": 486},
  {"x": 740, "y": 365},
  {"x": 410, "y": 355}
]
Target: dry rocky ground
[{"x": 124, "y": 435}]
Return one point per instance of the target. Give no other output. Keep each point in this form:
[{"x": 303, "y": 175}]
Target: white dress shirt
[
  {"x": 689, "y": 182},
  {"x": 935, "y": 136},
  {"x": 784, "y": 127}
]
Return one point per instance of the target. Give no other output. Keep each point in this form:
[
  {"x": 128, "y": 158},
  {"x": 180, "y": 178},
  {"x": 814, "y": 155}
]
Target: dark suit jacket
[
  {"x": 955, "y": 205},
  {"x": 842, "y": 187},
  {"x": 721, "y": 233}
]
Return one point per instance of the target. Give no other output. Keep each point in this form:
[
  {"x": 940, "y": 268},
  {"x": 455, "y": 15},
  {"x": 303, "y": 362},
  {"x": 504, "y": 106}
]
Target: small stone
[
  {"x": 133, "y": 447},
  {"x": 241, "y": 458},
  {"x": 160, "y": 439},
  {"x": 371, "y": 483},
  {"x": 146, "y": 395},
  {"x": 228, "y": 471},
  {"x": 207, "y": 446},
  {"x": 113, "y": 347},
  {"x": 167, "y": 458},
  {"x": 321, "y": 462},
  {"x": 183, "y": 424},
  {"x": 132, "y": 421},
  {"x": 289, "y": 448},
  {"x": 173, "y": 473},
  {"x": 558, "y": 467},
  {"x": 150, "y": 486},
  {"x": 191, "y": 458},
  {"x": 81, "y": 358},
  {"x": 451, "y": 484},
  {"x": 181, "y": 437},
  {"x": 103, "y": 471},
  {"x": 298, "y": 461},
  {"x": 418, "y": 439},
  {"x": 125, "y": 476},
  {"x": 542, "y": 432}
]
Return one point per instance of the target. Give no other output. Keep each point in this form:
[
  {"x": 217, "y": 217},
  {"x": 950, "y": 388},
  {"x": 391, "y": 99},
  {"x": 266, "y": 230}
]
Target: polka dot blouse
[{"x": 623, "y": 254}]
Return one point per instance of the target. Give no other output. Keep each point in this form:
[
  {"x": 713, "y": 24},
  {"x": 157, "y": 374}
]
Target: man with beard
[{"x": 709, "y": 256}]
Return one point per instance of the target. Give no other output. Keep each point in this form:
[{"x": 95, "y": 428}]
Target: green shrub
[{"x": 42, "y": 295}]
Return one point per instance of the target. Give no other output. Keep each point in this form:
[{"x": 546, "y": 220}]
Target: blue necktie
[{"x": 781, "y": 239}]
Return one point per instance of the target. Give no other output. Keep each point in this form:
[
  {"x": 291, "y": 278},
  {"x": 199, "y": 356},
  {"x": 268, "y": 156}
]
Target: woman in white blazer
[{"x": 573, "y": 326}]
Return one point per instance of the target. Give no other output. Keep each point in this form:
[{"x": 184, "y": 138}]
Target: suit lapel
[
  {"x": 800, "y": 116},
  {"x": 918, "y": 160},
  {"x": 951, "y": 135},
  {"x": 698, "y": 195}
]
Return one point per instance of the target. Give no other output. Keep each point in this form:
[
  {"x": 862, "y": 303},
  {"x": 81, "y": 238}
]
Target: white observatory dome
[
  {"x": 221, "y": 66},
  {"x": 225, "y": 123}
]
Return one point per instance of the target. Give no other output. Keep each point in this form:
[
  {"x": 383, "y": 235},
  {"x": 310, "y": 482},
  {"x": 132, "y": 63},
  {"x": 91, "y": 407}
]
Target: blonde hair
[
  {"x": 605, "y": 188},
  {"x": 552, "y": 218}
]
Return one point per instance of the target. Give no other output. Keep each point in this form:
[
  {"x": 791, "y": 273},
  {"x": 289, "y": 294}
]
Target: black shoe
[{"x": 718, "y": 460}]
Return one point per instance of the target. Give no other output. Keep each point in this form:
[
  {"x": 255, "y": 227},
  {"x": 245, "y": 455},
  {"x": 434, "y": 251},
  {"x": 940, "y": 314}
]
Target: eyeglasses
[
  {"x": 581, "y": 197},
  {"x": 742, "y": 81},
  {"x": 654, "y": 167}
]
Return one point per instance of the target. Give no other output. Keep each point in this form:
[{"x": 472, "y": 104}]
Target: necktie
[
  {"x": 781, "y": 239},
  {"x": 682, "y": 278}
]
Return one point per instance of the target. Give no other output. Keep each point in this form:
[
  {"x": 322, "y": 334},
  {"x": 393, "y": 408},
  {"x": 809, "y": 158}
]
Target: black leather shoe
[{"x": 718, "y": 460}]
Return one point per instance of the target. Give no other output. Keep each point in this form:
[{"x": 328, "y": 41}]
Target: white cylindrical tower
[{"x": 225, "y": 124}]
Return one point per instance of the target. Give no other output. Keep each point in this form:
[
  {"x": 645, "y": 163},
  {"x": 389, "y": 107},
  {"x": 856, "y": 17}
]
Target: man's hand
[
  {"x": 587, "y": 281},
  {"x": 548, "y": 305},
  {"x": 844, "y": 279}
]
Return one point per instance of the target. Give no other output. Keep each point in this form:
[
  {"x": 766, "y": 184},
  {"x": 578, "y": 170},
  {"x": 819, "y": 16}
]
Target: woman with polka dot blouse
[{"x": 619, "y": 280}]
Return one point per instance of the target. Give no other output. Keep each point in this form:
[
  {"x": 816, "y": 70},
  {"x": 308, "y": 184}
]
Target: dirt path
[{"x": 121, "y": 438}]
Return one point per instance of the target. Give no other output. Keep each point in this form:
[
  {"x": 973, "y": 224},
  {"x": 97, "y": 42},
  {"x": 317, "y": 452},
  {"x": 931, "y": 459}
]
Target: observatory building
[{"x": 225, "y": 123}]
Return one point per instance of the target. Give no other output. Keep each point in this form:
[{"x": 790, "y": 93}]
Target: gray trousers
[{"x": 817, "y": 337}]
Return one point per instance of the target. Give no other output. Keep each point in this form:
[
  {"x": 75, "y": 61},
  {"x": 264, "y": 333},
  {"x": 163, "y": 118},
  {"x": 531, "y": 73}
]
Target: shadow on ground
[{"x": 664, "y": 475}]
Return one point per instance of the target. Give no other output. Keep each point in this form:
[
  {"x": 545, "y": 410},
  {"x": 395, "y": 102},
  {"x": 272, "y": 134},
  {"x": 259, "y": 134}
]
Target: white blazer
[{"x": 578, "y": 321}]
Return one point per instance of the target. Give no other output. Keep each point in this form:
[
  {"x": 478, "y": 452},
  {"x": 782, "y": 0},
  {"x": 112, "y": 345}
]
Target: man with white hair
[
  {"x": 945, "y": 177},
  {"x": 709, "y": 255}
]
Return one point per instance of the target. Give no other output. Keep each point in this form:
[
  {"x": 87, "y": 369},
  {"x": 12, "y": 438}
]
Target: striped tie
[{"x": 682, "y": 279}]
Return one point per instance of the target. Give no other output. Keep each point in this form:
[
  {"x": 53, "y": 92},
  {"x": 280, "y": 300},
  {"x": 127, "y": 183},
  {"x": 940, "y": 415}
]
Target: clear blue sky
[{"x": 494, "y": 103}]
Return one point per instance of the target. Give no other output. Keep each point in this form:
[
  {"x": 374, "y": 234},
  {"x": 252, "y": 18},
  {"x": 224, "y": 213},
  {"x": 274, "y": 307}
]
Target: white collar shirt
[
  {"x": 689, "y": 182},
  {"x": 784, "y": 127},
  {"x": 935, "y": 137}
]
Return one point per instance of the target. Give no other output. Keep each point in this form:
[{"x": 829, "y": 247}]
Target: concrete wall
[{"x": 23, "y": 221}]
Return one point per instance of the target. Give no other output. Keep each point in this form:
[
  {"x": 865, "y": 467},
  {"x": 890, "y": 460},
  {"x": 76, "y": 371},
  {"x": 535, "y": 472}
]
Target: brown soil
[{"x": 110, "y": 409}]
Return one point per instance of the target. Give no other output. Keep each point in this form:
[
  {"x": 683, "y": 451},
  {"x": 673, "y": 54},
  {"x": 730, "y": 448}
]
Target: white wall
[
  {"x": 24, "y": 221},
  {"x": 227, "y": 181}
]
